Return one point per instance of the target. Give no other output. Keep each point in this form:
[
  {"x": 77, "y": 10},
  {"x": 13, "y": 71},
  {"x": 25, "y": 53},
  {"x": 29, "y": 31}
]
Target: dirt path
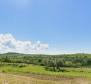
[{"x": 16, "y": 79}]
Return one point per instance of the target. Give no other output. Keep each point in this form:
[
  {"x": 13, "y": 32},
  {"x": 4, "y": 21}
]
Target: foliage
[{"x": 50, "y": 62}]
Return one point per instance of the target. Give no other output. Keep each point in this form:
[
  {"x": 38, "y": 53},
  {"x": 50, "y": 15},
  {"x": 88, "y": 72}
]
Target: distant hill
[{"x": 68, "y": 55}]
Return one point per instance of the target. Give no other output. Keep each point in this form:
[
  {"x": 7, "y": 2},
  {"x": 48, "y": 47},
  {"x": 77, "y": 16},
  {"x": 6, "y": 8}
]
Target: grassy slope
[{"x": 71, "y": 72}]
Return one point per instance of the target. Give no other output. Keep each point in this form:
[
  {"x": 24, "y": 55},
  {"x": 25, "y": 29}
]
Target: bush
[
  {"x": 3, "y": 71},
  {"x": 22, "y": 65}
]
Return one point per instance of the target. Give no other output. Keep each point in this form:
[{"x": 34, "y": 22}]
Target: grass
[
  {"x": 16, "y": 79},
  {"x": 33, "y": 74},
  {"x": 35, "y": 69}
]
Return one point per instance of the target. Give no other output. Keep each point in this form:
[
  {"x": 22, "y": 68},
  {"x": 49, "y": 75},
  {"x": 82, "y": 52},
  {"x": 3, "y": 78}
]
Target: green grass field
[
  {"x": 36, "y": 69},
  {"x": 13, "y": 73}
]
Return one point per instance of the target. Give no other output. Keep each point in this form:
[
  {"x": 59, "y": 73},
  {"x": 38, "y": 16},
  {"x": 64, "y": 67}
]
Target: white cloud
[{"x": 10, "y": 44}]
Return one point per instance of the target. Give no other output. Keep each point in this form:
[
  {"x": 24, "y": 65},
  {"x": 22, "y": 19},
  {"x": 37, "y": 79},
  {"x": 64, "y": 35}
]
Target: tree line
[{"x": 50, "y": 62}]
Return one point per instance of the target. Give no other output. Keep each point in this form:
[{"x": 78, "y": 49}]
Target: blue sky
[{"x": 65, "y": 25}]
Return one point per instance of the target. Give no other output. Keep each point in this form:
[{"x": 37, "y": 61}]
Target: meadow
[
  {"x": 35, "y": 74},
  {"x": 38, "y": 69}
]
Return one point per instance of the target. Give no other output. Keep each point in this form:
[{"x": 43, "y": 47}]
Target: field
[
  {"x": 15, "y": 79},
  {"x": 40, "y": 70},
  {"x": 35, "y": 74},
  {"x": 44, "y": 69}
]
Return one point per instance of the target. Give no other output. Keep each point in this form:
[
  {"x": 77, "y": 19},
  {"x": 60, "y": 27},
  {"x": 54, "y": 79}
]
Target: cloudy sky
[{"x": 45, "y": 26}]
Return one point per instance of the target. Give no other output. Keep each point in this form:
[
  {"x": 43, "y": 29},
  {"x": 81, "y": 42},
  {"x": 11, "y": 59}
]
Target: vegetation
[
  {"x": 69, "y": 67},
  {"x": 51, "y": 62},
  {"x": 16, "y": 79},
  {"x": 40, "y": 70}
]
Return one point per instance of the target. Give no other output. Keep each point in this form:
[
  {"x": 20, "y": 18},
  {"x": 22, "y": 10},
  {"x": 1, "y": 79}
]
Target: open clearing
[{"x": 16, "y": 79}]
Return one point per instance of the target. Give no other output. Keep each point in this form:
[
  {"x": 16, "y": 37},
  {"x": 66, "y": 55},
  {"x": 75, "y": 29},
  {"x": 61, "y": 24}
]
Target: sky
[{"x": 45, "y": 26}]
